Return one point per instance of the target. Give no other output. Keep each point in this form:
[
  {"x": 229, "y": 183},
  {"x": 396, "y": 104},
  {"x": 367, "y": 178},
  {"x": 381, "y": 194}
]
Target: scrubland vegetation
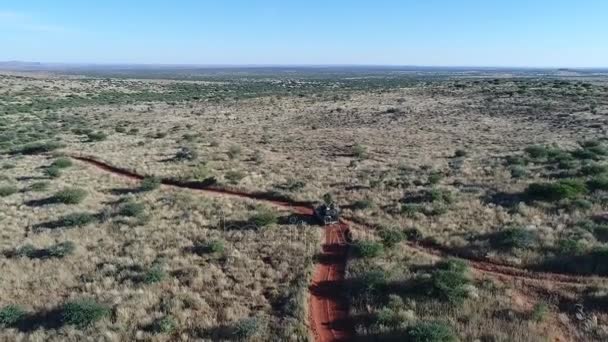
[{"x": 506, "y": 170}]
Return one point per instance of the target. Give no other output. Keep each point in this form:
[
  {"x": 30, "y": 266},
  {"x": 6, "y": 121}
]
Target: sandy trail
[{"x": 327, "y": 306}]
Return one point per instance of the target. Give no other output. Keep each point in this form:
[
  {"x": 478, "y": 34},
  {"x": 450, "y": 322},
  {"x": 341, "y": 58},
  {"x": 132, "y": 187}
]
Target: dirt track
[{"x": 328, "y": 311}]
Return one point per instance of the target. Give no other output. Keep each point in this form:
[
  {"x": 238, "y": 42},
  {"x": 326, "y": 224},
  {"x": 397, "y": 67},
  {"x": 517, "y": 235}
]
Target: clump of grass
[
  {"x": 515, "y": 238},
  {"x": 149, "y": 183},
  {"x": 430, "y": 332},
  {"x": 264, "y": 217},
  {"x": 552, "y": 192},
  {"x": 62, "y": 163},
  {"x": 234, "y": 177},
  {"x": 52, "y": 172},
  {"x": 210, "y": 247},
  {"x": 83, "y": 313},
  {"x": 11, "y": 315},
  {"x": 7, "y": 190},
  {"x": 70, "y": 196},
  {"x": 367, "y": 249},
  {"x": 39, "y": 186},
  {"x": 449, "y": 282},
  {"x": 131, "y": 209}
]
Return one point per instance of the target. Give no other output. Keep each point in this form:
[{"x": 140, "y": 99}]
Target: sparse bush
[
  {"x": 149, "y": 183},
  {"x": 247, "y": 328},
  {"x": 537, "y": 151},
  {"x": 11, "y": 315},
  {"x": 234, "y": 177},
  {"x": 83, "y": 313},
  {"x": 38, "y": 147},
  {"x": 61, "y": 249},
  {"x": 552, "y": 192},
  {"x": 154, "y": 275},
  {"x": 515, "y": 238},
  {"x": 8, "y": 190},
  {"x": 234, "y": 151},
  {"x": 515, "y": 160},
  {"x": 131, "y": 209},
  {"x": 361, "y": 204},
  {"x": 440, "y": 195},
  {"x": 211, "y": 247},
  {"x": 165, "y": 325},
  {"x": 391, "y": 237},
  {"x": 75, "y": 220},
  {"x": 367, "y": 249},
  {"x": 449, "y": 282},
  {"x": 39, "y": 186},
  {"x": 359, "y": 151},
  {"x": 264, "y": 217},
  {"x": 52, "y": 172},
  {"x": 62, "y": 163},
  {"x": 96, "y": 136},
  {"x": 435, "y": 178},
  {"x": 539, "y": 312},
  {"x": 430, "y": 332},
  {"x": 518, "y": 171},
  {"x": 70, "y": 196},
  {"x": 200, "y": 172},
  {"x": 411, "y": 209}
]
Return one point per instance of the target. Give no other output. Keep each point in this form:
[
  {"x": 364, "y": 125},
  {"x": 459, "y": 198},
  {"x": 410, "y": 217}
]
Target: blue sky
[{"x": 556, "y": 33}]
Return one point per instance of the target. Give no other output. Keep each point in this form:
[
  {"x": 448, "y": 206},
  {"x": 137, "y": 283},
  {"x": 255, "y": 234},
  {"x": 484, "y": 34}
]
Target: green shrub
[
  {"x": 131, "y": 209},
  {"x": 61, "y": 250},
  {"x": 96, "y": 136},
  {"x": 359, "y": 151},
  {"x": 367, "y": 249},
  {"x": 460, "y": 153},
  {"x": 83, "y": 313},
  {"x": 247, "y": 328},
  {"x": 52, "y": 172},
  {"x": 76, "y": 220},
  {"x": 449, "y": 282},
  {"x": 70, "y": 196},
  {"x": 515, "y": 160},
  {"x": 539, "y": 312},
  {"x": 264, "y": 217},
  {"x": 38, "y": 147},
  {"x": 552, "y": 192},
  {"x": 154, "y": 275},
  {"x": 361, "y": 204},
  {"x": 234, "y": 177},
  {"x": 39, "y": 186},
  {"x": 149, "y": 183},
  {"x": 594, "y": 169},
  {"x": 165, "y": 325},
  {"x": 598, "y": 183},
  {"x": 411, "y": 209},
  {"x": 62, "y": 163},
  {"x": 210, "y": 247},
  {"x": 430, "y": 332},
  {"x": 537, "y": 151},
  {"x": 11, "y": 315},
  {"x": 515, "y": 238},
  {"x": 440, "y": 195},
  {"x": 8, "y": 190},
  {"x": 435, "y": 178},
  {"x": 391, "y": 237}
]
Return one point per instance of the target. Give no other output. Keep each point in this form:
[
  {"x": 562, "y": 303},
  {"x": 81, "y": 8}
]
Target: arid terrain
[{"x": 141, "y": 206}]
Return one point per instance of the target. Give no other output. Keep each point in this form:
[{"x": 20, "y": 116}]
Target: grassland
[{"x": 509, "y": 170}]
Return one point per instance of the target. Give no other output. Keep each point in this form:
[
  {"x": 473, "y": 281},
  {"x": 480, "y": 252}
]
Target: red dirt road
[{"x": 328, "y": 307}]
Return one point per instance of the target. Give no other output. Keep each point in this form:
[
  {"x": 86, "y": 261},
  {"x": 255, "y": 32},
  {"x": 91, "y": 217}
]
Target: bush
[
  {"x": 439, "y": 195},
  {"x": 598, "y": 183},
  {"x": 75, "y": 220},
  {"x": 83, "y": 313},
  {"x": 435, "y": 178},
  {"x": 131, "y": 209},
  {"x": 234, "y": 177},
  {"x": 70, "y": 196},
  {"x": 11, "y": 315},
  {"x": 552, "y": 192},
  {"x": 61, "y": 250},
  {"x": 537, "y": 151},
  {"x": 593, "y": 169},
  {"x": 211, "y": 247},
  {"x": 449, "y": 282},
  {"x": 391, "y": 237},
  {"x": 149, "y": 183},
  {"x": 515, "y": 238},
  {"x": 361, "y": 204},
  {"x": 8, "y": 190},
  {"x": 367, "y": 249},
  {"x": 234, "y": 151},
  {"x": 515, "y": 160},
  {"x": 264, "y": 218},
  {"x": 62, "y": 163},
  {"x": 539, "y": 312},
  {"x": 154, "y": 275},
  {"x": 359, "y": 151},
  {"x": 186, "y": 153},
  {"x": 518, "y": 171},
  {"x": 430, "y": 332},
  {"x": 52, "y": 172},
  {"x": 96, "y": 136},
  {"x": 38, "y": 147},
  {"x": 460, "y": 153},
  {"x": 246, "y": 328}
]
